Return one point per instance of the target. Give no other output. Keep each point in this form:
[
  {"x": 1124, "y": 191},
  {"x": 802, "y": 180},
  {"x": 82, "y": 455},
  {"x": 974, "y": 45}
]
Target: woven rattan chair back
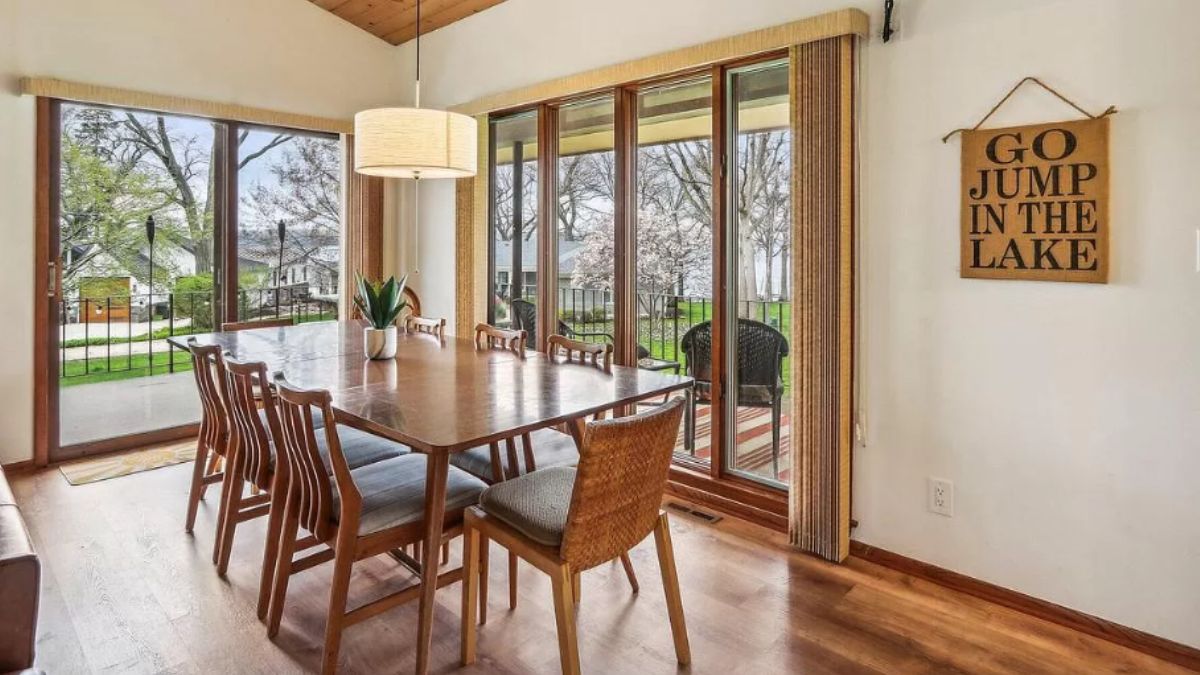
[
  {"x": 208, "y": 369},
  {"x": 234, "y": 326},
  {"x": 423, "y": 324},
  {"x": 309, "y": 481},
  {"x": 490, "y": 337},
  {"x": 621, "y": 478},
  {"x": 246, "y": 385},
  {"x": 760, "y": 352},
  {"x": 524, "y": 317},
  {"x": 594, "y": 354}
]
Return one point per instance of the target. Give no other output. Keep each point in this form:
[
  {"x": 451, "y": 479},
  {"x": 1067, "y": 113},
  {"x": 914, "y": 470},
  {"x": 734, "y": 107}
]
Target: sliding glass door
[
  {"x": 154, "y": 213},
  {"x": 513, "y": 216}
]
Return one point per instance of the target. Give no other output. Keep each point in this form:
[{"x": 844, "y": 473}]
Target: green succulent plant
[{"x": 380, "y": 303}]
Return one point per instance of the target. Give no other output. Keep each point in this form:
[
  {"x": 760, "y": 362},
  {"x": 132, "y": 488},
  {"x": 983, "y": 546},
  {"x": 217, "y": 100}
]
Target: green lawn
[{"x": 120, "y": 367}]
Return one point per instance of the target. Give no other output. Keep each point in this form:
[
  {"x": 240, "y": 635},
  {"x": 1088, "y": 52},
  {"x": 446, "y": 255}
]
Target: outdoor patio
[{"x": 101, "y": 410}]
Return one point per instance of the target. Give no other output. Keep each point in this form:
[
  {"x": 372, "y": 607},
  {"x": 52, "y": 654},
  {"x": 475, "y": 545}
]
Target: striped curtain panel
[
  {"x": 362, "y": 226},
  {"x": 823, "y": 192},
  {"x": 471, "y": 240}
]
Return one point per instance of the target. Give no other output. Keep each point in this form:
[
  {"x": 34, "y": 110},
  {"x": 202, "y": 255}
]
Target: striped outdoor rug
[
  {"x": 86, "y": 471},
  {"x": 753, "y": 440}
]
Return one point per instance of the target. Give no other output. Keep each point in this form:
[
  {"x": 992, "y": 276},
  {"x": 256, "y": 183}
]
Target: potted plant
[{"x": 380, "y": 304}]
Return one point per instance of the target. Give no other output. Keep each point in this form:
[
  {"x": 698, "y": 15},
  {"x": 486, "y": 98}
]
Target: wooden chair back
[
  {"x": 307, "y": 475},
  {"x": 208, "y": 369},
  {"x": 619, "y": 485},
  {"x": 490, "y": 337},
  {"x": 247, "y": 384},
  {"x": 422, "y": 324},
  {"x": 234, "y": 326},
  {"x": 594, "y": 354}
]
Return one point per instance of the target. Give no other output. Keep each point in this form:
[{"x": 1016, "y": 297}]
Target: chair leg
[
  {"x": 343, "y": 562},
  {"x": 470, "y": 591},
  {"x": 445, "y": 552},
  {"x": 283, "y": 565},
  {"x": 222, "y": 514},
  {"x": 215, "y": 464},
  {"x": 666, "y": 562},
  {"x": 775, "y": 431},
  {"x": 564, "y": 617},
  {"x": 197, "y": 490},
  {"x": 485, "y": 546},
  {"x": 576, "y": 588},
  {"x": 629, "y": 573},
  {"x": 232, "y": 507},
  {"x": 689, "y": 422},
  {"x": 512, "y": 580},
  {"x": 271, "y": 546}
]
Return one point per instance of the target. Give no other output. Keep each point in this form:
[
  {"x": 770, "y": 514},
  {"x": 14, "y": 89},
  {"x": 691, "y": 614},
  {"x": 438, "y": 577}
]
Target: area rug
[{"x": 86, "y": 471}]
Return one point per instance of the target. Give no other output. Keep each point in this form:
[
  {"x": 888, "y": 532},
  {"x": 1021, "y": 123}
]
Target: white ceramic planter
[{"x": 380, "y": 343}]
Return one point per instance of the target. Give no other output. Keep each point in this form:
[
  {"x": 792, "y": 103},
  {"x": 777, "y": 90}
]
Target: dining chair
[
  {"x": 490, "y": 337},
  {"x": 540, "y": 449},
  {"x": 566, "y": 520},
  {"x": 254, "y": 438},
  {"x": 358, "y": 514},
  {"x": 235, "y": 326},
  {"x": 423, "y": 324},
  {"x": 213, "y": 437}
]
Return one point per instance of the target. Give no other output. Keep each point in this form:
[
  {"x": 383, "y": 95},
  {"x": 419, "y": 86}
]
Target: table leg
[
  {"x": 437, "y": 468},
  {"x": 576, "y": 427}
]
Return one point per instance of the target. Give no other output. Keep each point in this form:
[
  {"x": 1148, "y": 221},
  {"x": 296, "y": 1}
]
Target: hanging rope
[{"x": 1108, "y": 111}]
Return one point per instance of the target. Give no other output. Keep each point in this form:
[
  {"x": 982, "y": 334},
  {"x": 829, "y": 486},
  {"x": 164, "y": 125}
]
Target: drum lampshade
[{"x": 415, "y": 143}]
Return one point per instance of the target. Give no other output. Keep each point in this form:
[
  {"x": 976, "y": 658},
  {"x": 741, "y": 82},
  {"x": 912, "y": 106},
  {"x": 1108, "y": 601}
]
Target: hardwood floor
[{"x": 125, "y": 590}]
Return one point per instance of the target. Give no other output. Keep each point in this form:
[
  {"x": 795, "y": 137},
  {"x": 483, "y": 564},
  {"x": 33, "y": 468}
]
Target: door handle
[{"x": 52, "y": 281}]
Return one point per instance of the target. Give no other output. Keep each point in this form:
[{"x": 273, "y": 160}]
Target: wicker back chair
[
  {"x": 212, "y": 440},
  {"x": 760, "y": 352},
  {"x": 612, "y": 502},
  {"x": 635, "y": 454}
]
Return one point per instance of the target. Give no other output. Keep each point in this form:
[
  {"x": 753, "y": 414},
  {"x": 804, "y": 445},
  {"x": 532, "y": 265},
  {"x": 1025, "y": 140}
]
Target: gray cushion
[
  {"x": 393, "y": 492},
  {"x": 550, "y": 449},
  {"x": 361, "y": 448},
  {"x": 536, "y": 504}
]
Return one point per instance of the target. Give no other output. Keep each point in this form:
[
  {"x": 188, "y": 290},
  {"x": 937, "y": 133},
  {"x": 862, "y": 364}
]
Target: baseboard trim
[
  {"x": 1167, "y": 650},
  {"x": 22, "y": 466}
]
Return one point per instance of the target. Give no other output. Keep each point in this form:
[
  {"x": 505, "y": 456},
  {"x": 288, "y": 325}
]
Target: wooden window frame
[{"x": 710, "y": 483}]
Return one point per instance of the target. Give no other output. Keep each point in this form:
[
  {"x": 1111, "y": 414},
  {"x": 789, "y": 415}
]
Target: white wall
[
  {"x": 1067, "y": 415},
  {"x": 279, "y": 54}
]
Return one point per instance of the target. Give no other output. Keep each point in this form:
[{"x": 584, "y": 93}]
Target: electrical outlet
[{"x": 940, "y": 496}]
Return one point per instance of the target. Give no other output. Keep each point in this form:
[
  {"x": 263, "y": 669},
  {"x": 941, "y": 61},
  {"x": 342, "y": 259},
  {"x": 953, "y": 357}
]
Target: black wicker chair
[
  {"x": 524, "y": 315},
  {"x": 760, "y": 353}
]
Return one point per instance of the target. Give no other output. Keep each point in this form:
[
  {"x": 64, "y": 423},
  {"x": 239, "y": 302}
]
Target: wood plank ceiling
[{"x": 396, "y": 20}]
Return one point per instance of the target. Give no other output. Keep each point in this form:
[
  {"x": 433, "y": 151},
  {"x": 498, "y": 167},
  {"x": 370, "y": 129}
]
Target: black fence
[{"x": 124, "y": 336}]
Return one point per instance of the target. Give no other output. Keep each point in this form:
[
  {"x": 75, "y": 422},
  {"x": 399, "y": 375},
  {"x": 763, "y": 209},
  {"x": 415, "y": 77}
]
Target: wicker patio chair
[{"x": 760, "y": 353}]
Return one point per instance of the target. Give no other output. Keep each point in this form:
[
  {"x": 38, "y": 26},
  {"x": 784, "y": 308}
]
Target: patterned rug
[
  {"x": 84, "y": 471},
  {"x": 753, "y": 452}
]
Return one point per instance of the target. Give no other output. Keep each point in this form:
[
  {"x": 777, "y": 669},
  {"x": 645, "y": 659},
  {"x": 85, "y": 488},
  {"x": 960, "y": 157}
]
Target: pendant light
[{"x": 415, "y": 142}]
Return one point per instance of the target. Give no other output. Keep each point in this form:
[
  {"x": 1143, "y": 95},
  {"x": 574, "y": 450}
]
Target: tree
[
  {"x": 105, "y": 197},
  {"x": 306, "y": 195}
]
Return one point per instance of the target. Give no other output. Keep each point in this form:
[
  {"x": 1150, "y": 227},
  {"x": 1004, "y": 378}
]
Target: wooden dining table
[{"x": 438, "y": 396}]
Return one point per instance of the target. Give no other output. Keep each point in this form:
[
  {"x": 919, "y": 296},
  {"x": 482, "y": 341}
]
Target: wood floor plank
[{"x": 126, "y": 590}]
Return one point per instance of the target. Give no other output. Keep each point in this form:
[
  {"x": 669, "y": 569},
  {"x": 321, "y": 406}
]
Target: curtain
[
  {"x": 823, "y": 190},
  {"x": 471, "y": 245}
]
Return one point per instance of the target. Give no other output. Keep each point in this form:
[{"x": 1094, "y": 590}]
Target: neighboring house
[{"x": 571, "y": 297}]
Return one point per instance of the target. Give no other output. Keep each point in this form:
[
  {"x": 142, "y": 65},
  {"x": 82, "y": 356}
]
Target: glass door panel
[
  {"x": 585, "y": 220},
  {"x": 674, "y": 244},
  {"x": 289, "y": 225},
  {"x": 759, "y": 272},
  {"x": 128, "y": 282},
  {"x": 514, "y": 214}
]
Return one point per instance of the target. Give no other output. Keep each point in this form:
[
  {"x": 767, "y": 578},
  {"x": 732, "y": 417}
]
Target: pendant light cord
[{"x": 418, "y": 96}]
